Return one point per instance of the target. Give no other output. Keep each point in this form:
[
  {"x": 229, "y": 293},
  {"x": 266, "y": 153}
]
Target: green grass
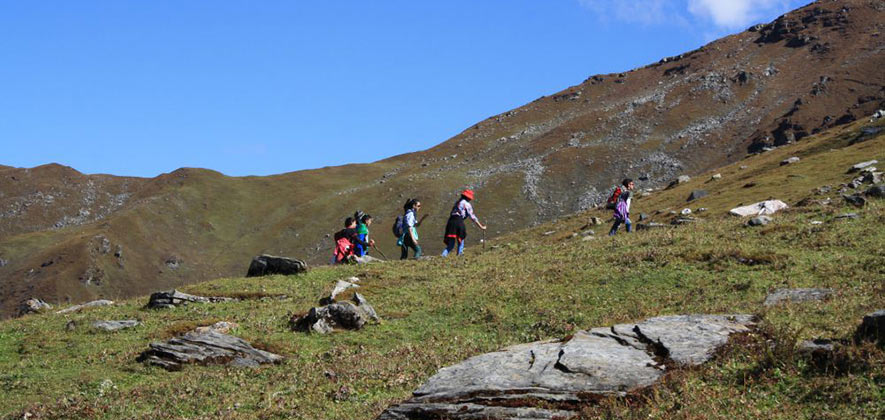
[{"x": 523, "y": 287}]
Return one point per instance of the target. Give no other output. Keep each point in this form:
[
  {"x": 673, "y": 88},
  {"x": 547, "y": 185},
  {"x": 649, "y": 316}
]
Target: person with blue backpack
[
  {"x": 622, "y": 208},
  {"x": 456, "y": 231},
  {"x": 406, "y": 228}
]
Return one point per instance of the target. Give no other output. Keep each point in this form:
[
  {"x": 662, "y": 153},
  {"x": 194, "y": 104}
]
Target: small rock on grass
[
  {"x": 114, "y": 325},
  {"x": 759, "y": 221},
  {"x": 77, "y": 308},
  {"x": 862, "y": 165},
  {"x": 872, "y": 328},
  {"x": 855, "y": 200},
  {"x": 797, "y": 295},
  {"x": 790, "y": 160},
  {"x": 877, "y": 191}
]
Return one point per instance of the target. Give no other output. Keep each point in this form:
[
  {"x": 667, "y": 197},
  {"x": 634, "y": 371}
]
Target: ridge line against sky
[{"x": 133, "y": 88}]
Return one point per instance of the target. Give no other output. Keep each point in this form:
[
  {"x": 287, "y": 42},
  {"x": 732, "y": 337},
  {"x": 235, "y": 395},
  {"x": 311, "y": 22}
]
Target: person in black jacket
[{"x": 346, "y": 240}]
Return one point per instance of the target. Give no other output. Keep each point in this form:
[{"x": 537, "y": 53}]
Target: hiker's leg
[
  {"x": 461, "y": 246},
  {"x": 614, "y": 229},
  {"x": 405, "y": 251},
  {"x": 450, "y": 245},
  {"x": 417, "y": 250},
  {"x": 629, "y": 225}
]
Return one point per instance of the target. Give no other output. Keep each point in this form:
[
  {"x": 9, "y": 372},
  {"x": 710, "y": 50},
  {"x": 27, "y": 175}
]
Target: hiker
[
  {"x": 456, "y": 232},
  {"x": 409, "y": 232},
  {"x": 622, "y": 209},
  {"x": 346, "y": 240},
  {"x": 362, "y": 230}
]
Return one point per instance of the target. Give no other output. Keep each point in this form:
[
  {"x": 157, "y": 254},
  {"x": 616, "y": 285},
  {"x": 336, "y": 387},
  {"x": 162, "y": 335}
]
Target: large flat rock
[
  {"x": 265, "y": 265},
  {"x": 796, "y": 295},
  {"x": 544, "y": 380},
  {"x": 205, "y": 347}
]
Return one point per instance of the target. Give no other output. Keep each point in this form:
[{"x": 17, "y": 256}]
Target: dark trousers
[
  {"x": 409, "y": 243},
  {"x": 618, "y": 223}
]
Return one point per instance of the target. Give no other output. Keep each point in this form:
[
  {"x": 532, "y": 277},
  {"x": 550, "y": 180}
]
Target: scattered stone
[
  {"x": 683, "y": 220},
  {"x": 855, "y": 200},
  {"x": 877, "y": 191},
  {"x": 685, "y": 212},
  {"x": 696, "y": 194},
  {"x": 367, "y": 259},
  {"x": 791, "y": 160},
  {"x": 818, "y": 345},
  {"x": 114, "y": 325},
  {"x": 872, "y": 328},
  {"x": 33, "y": 306},
  {"x": 339, "y": 288},
  {"x": 816, "y": 222},
  {"x": 823, "y": 190},
  {"x": 682, "y": 179},
  {"x": 71, "y": 325},
  {"x": 548, "y": 233},
  {"x": 173, "y": 298},
  {"x": 173, "y": 262},
  {"x": 872, "y": 178},
  {"x": 796, "y": 296},
  {"x": 205, "y": 348},
  {"x": 3, "y": 262},
  {"x": 595, "y": 221},
  {"x": 222, "y": 327},
  {"x": 878, "y": 114},
  {"x": 759, "y": 221},
  {"x": 324, "y": 319},
  {"x": 643, "y": 216},
  {"x": 650, "y": 226},
  {"x": 265, "y": 265},
  {"x": 862, "y": 165},
  {"x": 848, "y": 216},
  {"x": 808, "y": 201},
  {"x": 701, "y": 210},
  {"x": 558, "y": 375},
  {"x": 588, "y": 238},
  {"x": 759, "y": 209},
  {"x": 744, "y": 167},
  {"x": 716, "y": 177},
  {"x": 77, "y": 308}
]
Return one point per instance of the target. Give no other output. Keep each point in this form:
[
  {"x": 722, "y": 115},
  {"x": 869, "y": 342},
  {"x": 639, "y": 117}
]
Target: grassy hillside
[
  {"x": 811, "y": 70},
  {"x": 525, "y": 286}
]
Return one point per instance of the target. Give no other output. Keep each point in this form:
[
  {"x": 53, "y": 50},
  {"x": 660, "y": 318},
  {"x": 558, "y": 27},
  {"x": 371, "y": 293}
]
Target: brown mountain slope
[{"x": 811, "y": 69}]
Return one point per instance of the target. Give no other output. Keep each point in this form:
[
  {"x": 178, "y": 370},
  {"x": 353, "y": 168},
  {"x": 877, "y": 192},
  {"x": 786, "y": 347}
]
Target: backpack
[
  {"x": 343, "y": 249},
  {"x": 398, "y": 227},
  {"x": 621, "y": 211},
  {"x": 612, "y": 202}
]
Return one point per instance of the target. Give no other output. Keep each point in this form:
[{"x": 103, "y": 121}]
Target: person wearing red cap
[{"x": 456, "y": 232}]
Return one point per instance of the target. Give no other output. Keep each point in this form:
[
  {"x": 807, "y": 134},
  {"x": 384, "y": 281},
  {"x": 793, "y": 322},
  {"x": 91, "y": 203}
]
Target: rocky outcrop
[
  {"x": 548, "y": 379},
  {"x": 872, "y": 328},
  {"x": 33, "y": 306},
  {"x": 94, "y": 303},
  {"x": 696, "y": 194},
  {"x": 352, "y": 315},
  {"x": 758, "y": 209},
  {"x": 796, "y": 296},
  {"x": 205, "y": 348},
  {"x": 173, "y": 298},
  {"x": 265, "y": 265}
]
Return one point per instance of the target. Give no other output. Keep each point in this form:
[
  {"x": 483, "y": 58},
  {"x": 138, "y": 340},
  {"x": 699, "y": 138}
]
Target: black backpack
[{"x": 398, "y": 226}]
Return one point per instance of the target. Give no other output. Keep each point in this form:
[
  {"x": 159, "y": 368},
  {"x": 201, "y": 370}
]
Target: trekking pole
[
  {"x": 483, "y": 240},
  {"x": 379, "y": 252}
]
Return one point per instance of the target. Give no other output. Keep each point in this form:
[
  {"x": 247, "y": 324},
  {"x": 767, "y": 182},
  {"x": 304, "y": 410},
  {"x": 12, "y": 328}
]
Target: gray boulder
[
  {"x": 790, "y": 160},
  {"x": 265, "y": 265},
  {"x": 682, "y": 179},
  {"x": 33, "y": 306},
  {"x": 114, "y": 325},
  {"x": 549, "y": 379},
  {"x": 173, "y": 298},
  {"x": 862, "y": 165},
  {"x": 877, "y": 191},
  {"x": 94, "y": 303},
  {"x": 856, "y": 200},
  {"x": 210, "y": 347},
  {"x": 696, "y": 194},
  {"x": 797, "y": 296},
  {"x": 324, "y": 319},
  {"x": 872, "y": 328},
  {"x": 759, "y": 221}
]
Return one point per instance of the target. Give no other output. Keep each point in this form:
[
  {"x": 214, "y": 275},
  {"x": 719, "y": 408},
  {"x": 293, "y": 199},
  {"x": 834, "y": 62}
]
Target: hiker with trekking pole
[
  {"x": 456, "y": 231},
  {"x": 406, "y": 228}
]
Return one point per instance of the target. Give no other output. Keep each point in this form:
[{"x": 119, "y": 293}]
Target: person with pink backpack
[
  {"x": 622, "y": 208},
  {"x": 346, "y": 241}
]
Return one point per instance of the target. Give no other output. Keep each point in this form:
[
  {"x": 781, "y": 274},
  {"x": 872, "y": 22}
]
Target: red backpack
[
  {"x": 612, "y": 202},
  {"x": 343, "y": 249}
]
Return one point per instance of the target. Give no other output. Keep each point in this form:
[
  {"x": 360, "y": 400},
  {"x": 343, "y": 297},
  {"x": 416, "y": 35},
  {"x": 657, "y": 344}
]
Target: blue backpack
[{"x": 398, "y": 227}]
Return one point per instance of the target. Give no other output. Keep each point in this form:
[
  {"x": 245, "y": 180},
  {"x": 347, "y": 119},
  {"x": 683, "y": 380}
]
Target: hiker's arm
[{"x": 480, "y": 225}]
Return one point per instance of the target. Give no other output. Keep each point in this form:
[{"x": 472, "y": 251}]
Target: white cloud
[{"x": 735, "y": 13}]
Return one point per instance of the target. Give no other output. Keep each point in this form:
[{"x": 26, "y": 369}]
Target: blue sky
[{"x": 256, "y": 88}]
